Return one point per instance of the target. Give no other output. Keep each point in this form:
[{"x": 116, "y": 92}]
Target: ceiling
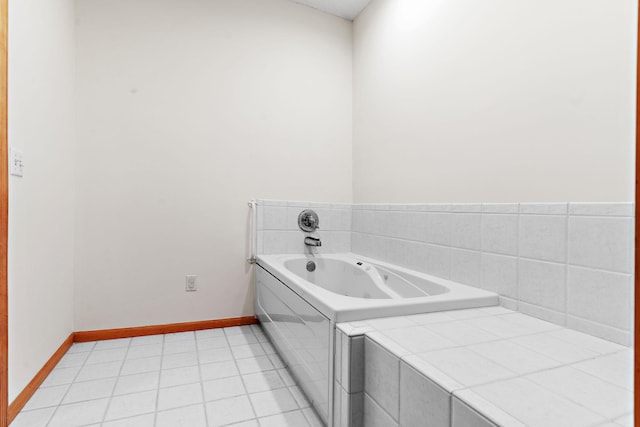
[{"x": 347, "y": 9}]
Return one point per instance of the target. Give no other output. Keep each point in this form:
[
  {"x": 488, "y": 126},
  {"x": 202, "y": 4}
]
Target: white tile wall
[
  {"x": 278, "y": 230},
  {"x": 349, "y": 380},
  {"x": 500, "y": 274},
  {"x": 465, "y": 267},
  {"x": 463, "y": 416},
  {"x": 439, "y": 228},
  {"x": 543, "y": 237},
  {"x": 602, "y": 209},
  {"x": 465, "y": 230},
  {"x": 501, "y": 208},
  {"x": 544, "y": 208},
  {"x": 375, "y": 416},
  {"x": 382, "y": 378},
  {"x": 500, "y": 234},
  {"x": 569, "y": 263},
  {"x": 542, "y": 283},
  {"x": 601, "y": 242},
  {"x": 424, "y": 402},
  {"x": 438, "y": 260},
  {"x": 601, "y": 296}
]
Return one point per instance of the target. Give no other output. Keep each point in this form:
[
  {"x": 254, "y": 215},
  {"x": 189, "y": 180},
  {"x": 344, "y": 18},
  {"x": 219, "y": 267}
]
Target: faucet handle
[{"x": 308, "y": 220}]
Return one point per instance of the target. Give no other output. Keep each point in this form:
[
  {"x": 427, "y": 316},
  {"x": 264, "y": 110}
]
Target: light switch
[{"x": 15, "y": 162}]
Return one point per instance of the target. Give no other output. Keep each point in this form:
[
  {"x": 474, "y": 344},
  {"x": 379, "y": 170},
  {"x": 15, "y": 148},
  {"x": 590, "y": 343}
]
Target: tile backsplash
[
  {"x": 568, "y": 263},
  {"x": 278, "y": 230}
]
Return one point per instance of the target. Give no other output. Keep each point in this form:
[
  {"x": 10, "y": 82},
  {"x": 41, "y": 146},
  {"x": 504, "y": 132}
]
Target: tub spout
[{"x": 312, "y": 241}]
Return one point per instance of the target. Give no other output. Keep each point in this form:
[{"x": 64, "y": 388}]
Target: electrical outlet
[
  {"x": 15, "y": 162},
  {"x": 192, "y": 283}
]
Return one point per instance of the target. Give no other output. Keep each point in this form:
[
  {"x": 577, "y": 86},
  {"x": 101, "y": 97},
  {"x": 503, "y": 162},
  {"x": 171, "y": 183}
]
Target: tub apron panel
[{"x": 301, "y": 334}]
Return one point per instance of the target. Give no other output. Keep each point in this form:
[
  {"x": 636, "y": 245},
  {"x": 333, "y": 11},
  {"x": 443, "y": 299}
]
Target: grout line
[
  {"x": 400, "y": 359},
  {"x": 517, "y": 298},
  {"x": 566, "y": 270},
  {"x": 600, "y": 270},
  {"x": 543, "y": 261},
  {"x": 449, "y": 250},
  {"x": 201, "y": 380},
  {"x": 561, "y": 363},
  {"x": 451, "y": 246},
  {"x": 284, "y": 386},
  {"x": 155, "y": 414},
  {"x": 599, "y": 324},
  {"x": 72, "y": 382},
  {"x": 481, "y": 285},
  {"x": 235, "y": 363},
  {"x": 601, "y": 216},
  {"x": 399, "y": 382},
  {"x": 491, "y": 341},
  {"x": 512, "y": 377},
  {"x": 116, "y": 382},
  {"x": 366, "y": 394}
]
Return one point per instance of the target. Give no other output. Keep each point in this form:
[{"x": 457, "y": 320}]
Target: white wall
[
  {"x": 495, "y": 100},
  {"x": 41, "y": 203},
  {"x": 186, "y": 110}
]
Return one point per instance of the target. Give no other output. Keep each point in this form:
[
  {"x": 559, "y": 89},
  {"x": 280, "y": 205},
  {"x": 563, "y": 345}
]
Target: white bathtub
[
  {"x": 348, "y": 287},
  {"x": 298, "y": 309}
]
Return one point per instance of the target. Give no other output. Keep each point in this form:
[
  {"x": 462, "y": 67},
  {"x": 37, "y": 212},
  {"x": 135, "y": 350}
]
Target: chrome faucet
[{"x": 312, "y": 241}]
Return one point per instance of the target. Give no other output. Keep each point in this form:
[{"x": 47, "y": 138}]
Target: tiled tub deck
[{"x": 478, "y": 368}]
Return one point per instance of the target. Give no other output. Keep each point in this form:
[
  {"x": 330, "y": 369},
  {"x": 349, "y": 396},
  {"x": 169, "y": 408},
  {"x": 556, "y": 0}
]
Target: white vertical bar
[{"x": 253, "y": 229}]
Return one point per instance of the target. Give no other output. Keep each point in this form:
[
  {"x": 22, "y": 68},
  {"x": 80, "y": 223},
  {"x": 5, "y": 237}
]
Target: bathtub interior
[{"x": 360, "y": 279}]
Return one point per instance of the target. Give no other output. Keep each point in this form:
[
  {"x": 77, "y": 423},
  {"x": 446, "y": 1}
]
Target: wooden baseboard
[
  {"x": 16, "y": 406},
  {"x": 108, "y": 334}
]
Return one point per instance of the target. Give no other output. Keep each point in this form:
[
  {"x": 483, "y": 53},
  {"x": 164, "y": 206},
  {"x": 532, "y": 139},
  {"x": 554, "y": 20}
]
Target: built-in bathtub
[{"x": 299, "y": 304}]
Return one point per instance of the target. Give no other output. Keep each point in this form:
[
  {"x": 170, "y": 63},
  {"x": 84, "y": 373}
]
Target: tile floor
[{"x": 216, "y": 377}]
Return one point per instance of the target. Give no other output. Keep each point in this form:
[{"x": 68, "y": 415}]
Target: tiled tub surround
[
  {"x": 348, "y": 393},
  {"x": 479, "y": 368},
  {"x": 214, "y": 377},
  {"x": 298, "y": 309},
  {"x": 278, "y": 231},
  {"x": 568, "y": 263}
]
